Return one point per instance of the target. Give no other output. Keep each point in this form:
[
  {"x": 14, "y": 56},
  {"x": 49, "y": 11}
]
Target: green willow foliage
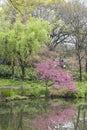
[
  {"x": 27, "y": 38},
  {"x": 20, "y": 41}
]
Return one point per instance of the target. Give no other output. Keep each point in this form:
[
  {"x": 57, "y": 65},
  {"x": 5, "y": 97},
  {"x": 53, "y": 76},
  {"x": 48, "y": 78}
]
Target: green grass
[
  {"x": 82, "y": 89},
  {"x": 17, "y": 83},
  {"x": 9, "y": 82},
  {"x": 36, "y": 88},
  {"x": 31, "y": 88}
]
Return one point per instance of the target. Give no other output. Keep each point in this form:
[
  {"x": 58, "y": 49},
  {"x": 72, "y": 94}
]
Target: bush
[
  {"x": 82, "y": 89},
  {"x": 76, "y": 76},
  {"x": 84, "y": 76},
  {"x": 35, "y": 92},
  {"x": 62, "y": 92},
  {"x": 47, "y": 92},
  {"x": 7, "y": 93},
  {"x": 17, "y": 72},
  {"x": 31, "y": 74},
  {"x": 5, "y": 71},
  {"x": 20, "y": 91},
  {"x": 39, "y": 91}
]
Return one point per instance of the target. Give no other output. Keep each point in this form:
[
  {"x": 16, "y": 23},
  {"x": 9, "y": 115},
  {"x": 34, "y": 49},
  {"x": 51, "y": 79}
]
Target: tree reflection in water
[
  {"x": 81, "y": 118},
  {"x": 42, "y": 115},
  {"x": 59, "y": 117}
]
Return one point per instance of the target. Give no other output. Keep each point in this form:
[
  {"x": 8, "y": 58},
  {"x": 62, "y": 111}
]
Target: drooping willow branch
[{"x": 14, "y": 4}]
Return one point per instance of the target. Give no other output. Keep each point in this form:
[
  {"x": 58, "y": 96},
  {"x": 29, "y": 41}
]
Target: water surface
[{"x": 43, "y": 115}]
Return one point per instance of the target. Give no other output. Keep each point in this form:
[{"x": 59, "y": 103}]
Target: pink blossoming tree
[{"x": 52, "y": 71}]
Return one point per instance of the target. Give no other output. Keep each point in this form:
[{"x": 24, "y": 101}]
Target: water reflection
[
  {"x": 42, "y": 115},
  {"x": 81, "y": 118}
]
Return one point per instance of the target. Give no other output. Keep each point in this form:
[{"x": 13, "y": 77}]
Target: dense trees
[
  {"x": 74, "y": 16},
  {"x": 22, "y": 31},
  {"x": 23, "y": 40}
]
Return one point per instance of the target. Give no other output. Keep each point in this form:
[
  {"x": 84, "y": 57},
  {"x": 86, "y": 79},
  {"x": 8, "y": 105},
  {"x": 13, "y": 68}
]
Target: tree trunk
[
  {"x": 13, "y": 64},
  {"x": 86, "y": 65},
  {"x": 46, "y": 93},
  {"x": 46, "y": 85},
  {"x": 78, "y": 118},
  {"x": 23, "y": 75},
  {"x": 20, "y": 125},
  {"x": 80, "y": 69}
]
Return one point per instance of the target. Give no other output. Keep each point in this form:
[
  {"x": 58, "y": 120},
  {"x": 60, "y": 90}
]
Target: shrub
[
  {"x": 21, "y": 92},
  {"x": 81, "y": 89},
  {"x": 5, "y": 71},
  {"x": 35, "y": 92},
  {"x": 84, "y": 76},
  {"x": 62, "y": 92},
  {"x": 39, "y": 91},
  {"x": 76, "y": 76},
  {"x": 7, "y": 93},
  {"x": 30, "y": 74},
  {"x": 47, "y": 92},
  {"x": 52, "y": 71}
]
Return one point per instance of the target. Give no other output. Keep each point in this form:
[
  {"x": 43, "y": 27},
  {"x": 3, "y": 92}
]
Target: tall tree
[
  {"x": 74, "y": 15},
  {"x": 4, "y": 27},
  {"x": 27, "y": 38}
]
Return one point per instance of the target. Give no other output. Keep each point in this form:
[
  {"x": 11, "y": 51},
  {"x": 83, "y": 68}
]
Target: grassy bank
[
  {"x": 17, "y": 83},
  {"x": 36, "y": 89}
]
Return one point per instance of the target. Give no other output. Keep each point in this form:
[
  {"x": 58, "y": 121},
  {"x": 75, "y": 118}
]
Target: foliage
[
  {"x": 19, "y": 41},
  {"x": 38, "y": 91},
  {"x": 7, "y": 93},
  {"x": 82, "y": 89},
  {"x": 33, "y": 92},
  {"x": 9, "y": 82},
  {"x": 28, "y": 91},
  {"x": 35, "y": 89},
  {"x": 17, "y": 83},
  {"x": 76, "y": 25},
  {"x": 5, "y": 71},
  {"x": 76, "y": 75},
  {"x": 25, "y": 46},
  {"x": 62, "y": 93},
  {"x": 51, "y": 70}
]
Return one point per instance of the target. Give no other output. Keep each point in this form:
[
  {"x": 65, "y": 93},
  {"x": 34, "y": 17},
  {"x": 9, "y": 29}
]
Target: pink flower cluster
[{"x": 52, "y": 71}]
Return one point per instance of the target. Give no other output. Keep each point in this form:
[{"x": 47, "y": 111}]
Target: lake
[{"x": 56, "y": 114}]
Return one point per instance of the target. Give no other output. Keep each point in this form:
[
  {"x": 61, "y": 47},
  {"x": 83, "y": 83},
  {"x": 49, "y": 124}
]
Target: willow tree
[
  {"x": 4, "y": 27},
  {"x": 27, "y": 40}
]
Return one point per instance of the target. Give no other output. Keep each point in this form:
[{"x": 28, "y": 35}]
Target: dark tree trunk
[
  {"x": 86, "y": 65},
  {"x": 46, "y": 84},
  {"x": 13, "y": 75},
  {"x": 20, "y": 115},
  {"x": 23, "y": 75},
  {"x": 78, "y": 118},
  {"x": 80, "y": 70}
]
